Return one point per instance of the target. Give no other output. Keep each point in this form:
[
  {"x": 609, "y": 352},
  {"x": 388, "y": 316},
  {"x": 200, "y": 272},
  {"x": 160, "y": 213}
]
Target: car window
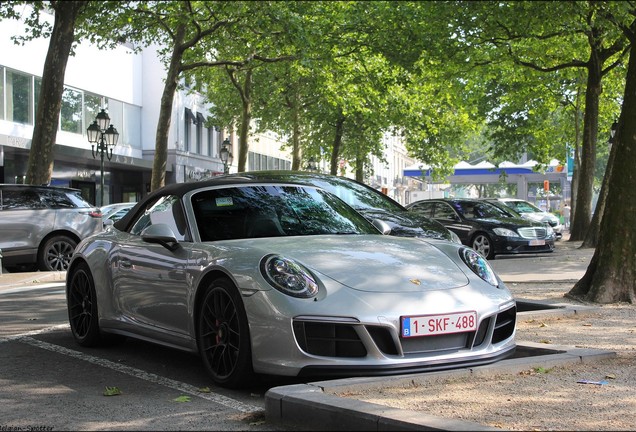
[
  {"x": 424, "y": 208},
  {"x": 472, "y": 210},
  {"x": 118, "y": 214},
  {"x": 76, "y": 200},
  {"x": 166, "y": 210},
  {"x": 444, "y": 211},
  {"x": 272, "y": 211},
  {"x": 21, "y": 199},
  {"x": 56, "y": 199}
]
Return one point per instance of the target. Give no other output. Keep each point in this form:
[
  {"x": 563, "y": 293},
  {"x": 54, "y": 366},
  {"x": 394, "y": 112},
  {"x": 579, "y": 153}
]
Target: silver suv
[{"x": 41, "y": 225}]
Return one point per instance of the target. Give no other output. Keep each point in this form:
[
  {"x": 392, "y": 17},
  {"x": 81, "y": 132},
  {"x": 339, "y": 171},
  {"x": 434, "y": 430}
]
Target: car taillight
[{"x": 96, "y": 213}]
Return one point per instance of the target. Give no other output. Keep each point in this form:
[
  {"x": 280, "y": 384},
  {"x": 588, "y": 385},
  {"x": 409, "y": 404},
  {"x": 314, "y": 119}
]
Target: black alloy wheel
[
  {"x": 223, "y": 335},
  {"x": 82, "y": 306}
]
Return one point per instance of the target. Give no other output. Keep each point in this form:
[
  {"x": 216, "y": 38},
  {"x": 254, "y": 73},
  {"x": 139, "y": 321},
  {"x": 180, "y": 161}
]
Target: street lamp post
[
  {"x": 613, "y": 132},
  {"x": 103, "y": 137},
  {"x": 226, "y": 155},
  {"x": 312, "y": 165}
]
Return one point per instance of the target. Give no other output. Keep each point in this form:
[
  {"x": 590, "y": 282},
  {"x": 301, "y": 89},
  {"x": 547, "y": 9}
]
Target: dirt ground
[{"x": 542, "y": 399}]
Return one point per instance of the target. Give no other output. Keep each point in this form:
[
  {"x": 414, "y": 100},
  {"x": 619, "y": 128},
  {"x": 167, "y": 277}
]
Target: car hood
[
  {"x": 408, "y": 224},
  {"x": 507, "y": 222},
  {"x": 371, "y": 262}
]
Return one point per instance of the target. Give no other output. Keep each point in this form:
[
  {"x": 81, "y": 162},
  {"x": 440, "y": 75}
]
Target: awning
[{"x": 486, "y": 172}]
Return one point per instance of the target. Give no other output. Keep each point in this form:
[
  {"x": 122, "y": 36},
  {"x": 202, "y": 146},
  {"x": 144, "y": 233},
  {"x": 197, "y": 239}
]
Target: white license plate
[
  {"x": 429, "y": 325},
  {"x": 536, "y": 242}
]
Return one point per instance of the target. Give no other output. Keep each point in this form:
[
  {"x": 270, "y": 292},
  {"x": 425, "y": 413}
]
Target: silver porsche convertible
[{"x": 276, "y": 278}]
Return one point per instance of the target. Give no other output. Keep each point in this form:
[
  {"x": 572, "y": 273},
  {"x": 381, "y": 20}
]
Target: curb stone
[{"x": 317, "y": 406}]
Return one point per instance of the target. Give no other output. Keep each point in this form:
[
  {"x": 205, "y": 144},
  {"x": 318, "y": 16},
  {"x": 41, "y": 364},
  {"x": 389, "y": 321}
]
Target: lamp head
[
  {"x": 225, "y": 153},
  {"x": 103, "y": 120},
  {"x": 93, "y": 132},
  {"x": 111, "y": 136}
]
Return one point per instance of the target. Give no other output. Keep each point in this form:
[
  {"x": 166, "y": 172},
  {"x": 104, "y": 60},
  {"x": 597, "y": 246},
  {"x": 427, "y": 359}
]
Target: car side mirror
[
  {"x": 382, "y": 226},
  {"x": 162, "y": 234}
]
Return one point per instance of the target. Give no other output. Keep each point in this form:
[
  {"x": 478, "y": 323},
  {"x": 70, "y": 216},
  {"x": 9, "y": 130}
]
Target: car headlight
[
  {"x": 505, "y": 232},
  {"x": 479, "y": 265},
  {"x": 288, "y": 277},
  {"x": 548, "y": 230}
]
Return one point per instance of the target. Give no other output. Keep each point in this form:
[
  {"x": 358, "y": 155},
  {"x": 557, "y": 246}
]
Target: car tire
[
  {"x": 81, "y": 300},
  {"x": 483, "y": 245},
  {"x": 56, "y": 252},
  {"x": 223, "y": 335}
]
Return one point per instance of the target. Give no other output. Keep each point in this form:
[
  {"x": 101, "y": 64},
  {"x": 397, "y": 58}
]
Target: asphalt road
[{"x": 48, "y": 382}]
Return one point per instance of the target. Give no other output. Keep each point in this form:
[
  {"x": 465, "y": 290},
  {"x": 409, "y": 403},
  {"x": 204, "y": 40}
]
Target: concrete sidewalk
[
  {"x": 568, "y": 263},
  {"x": 13, "y": 280}
]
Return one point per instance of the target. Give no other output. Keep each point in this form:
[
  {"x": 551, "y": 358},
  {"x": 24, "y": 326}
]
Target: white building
[
  {"x": 389, "y": 176},
  {"x": 129, "y": 87}
]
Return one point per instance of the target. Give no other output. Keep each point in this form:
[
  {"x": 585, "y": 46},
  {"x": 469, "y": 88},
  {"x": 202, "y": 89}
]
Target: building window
[
  {"x": 1, "y": 93},
  {"x": 131, "y": 127},
  {"x": 71, "y": 112},
  {"x": 256, "y": 162},
  {"x": 211, "y": 141},
  {"x": 19, "y": 96},
  {"x": 187, "y": 130},
  {"x": 92, "y": 105},
  {"x": 199, "y": 133}
]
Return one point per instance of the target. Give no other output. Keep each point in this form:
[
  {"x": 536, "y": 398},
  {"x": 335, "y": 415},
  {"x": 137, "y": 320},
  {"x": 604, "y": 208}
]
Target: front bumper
[{"x": 507, "y": 245}]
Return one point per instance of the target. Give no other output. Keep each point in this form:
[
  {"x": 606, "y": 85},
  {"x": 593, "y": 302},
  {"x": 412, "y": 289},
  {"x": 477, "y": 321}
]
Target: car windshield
[
  {"x": 358, "y": 196},
  {"x": 523, "y": 207},
  {"x": 273, "y": 211},
  {"x": 474, "y": 210}
]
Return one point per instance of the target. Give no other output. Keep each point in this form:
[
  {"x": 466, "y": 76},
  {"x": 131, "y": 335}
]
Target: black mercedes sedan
[{"x": 487, "y": 228}]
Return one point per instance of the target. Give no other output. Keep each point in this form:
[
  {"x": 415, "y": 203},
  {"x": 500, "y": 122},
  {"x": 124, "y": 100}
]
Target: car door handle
[{"x": 125, "y": 263}]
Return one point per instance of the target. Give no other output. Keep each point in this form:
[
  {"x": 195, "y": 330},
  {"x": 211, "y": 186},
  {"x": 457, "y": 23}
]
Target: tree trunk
[
  {"x": 47, "y": 116},
  {"x": 337, "y": 143},
  {"x": 245, "y": 122},
  {"x": 611, "y": 275},
  {"x": 582, "y": 212},
  {"x": 165, "y": 112},
  {"x": 591, "y": 239},
  {"x": 296, "y": 153},
  {"x": 360, "y": 158}
]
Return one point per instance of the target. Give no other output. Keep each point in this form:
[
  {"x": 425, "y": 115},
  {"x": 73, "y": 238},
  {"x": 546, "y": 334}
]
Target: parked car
[
  {"x": 266, "y": 277},
  {"x": 116, "y": 211},
  {"x": 530, "y": 211},
  {"x": 369, "y": 202},
  {"x": 487, "y": 228},
  {"x": 41, "y": 225}
]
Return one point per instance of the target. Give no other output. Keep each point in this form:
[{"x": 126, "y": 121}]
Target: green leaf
[
  {"x": 182, "y": 399},
  {"x": 112, "y": 391}
]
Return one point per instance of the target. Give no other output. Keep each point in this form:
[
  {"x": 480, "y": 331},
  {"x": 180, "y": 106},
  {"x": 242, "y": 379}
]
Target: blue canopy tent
[{"x": 487, "y": 173}]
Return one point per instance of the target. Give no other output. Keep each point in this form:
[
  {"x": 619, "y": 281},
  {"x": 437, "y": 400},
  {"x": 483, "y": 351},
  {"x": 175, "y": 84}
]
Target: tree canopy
[{"x": 511, "y": 77}]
